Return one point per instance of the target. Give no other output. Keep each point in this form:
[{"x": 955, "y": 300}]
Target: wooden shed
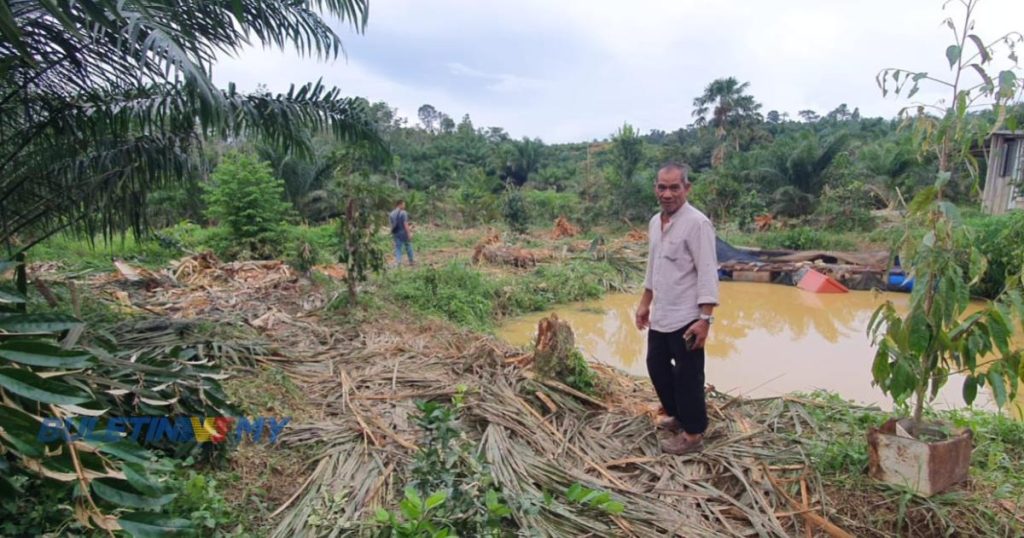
[{"x": 1003, "y": 189}]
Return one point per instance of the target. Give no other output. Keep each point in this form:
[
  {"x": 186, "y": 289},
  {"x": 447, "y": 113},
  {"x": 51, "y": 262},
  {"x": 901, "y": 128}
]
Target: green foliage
[
  {"x": 106, "y": 102},
  {"x": 46, "y": 372},
  {"x": 546, "y": 206},
  {"x": 625, "y": 193},
  {"x": 452, "y": 492},
  {"x": 790, "y": 201},
  {"x": 578, "y": 375},
  {"x": 83, "y": 254},
  {"x": 475, "y": 198},
  {"x": 247, "y": 201},
  {"x": 1001, "y": 240},
  {"x": 467, "y": 297},
  {"x": 725, "y": 199},
  {"x": 594, "y": 498},
  {"x": 627, "y": 152},
  {"x": 455, "y": 292},
  {"x": 200, "y": 501},
  {"x": 841, "y": 451},
  {"x": 804, "y": 238},
  {"x": 845, "y": 208},
  {"x": 37, "y": 506},
  {"x": 101, "y": 376},
  {"x": 359, "y": 249},
  {"x": 917, "y": 351},
  {"x": 515, "y": 211}
]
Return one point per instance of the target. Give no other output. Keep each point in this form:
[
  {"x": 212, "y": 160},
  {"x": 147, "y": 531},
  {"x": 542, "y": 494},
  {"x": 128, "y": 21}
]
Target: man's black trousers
[{"x": 678, "y": 378}]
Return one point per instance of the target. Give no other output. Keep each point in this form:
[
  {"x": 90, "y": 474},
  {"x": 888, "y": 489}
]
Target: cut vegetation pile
[{"x": 535, "y": 443}]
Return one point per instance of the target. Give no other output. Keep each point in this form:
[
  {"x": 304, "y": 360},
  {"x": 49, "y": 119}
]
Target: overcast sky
[{"x": 567, "y": 71}]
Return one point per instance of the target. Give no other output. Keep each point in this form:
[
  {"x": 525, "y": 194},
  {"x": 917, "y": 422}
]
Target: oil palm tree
[
  {"x": 727, "y": 107},
  {"x": 102, "y": 101}
]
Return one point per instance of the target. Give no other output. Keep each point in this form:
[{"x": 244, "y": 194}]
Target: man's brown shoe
[
  {"x": 678, "y": 444},
  {"x": 666, "y": 422}
]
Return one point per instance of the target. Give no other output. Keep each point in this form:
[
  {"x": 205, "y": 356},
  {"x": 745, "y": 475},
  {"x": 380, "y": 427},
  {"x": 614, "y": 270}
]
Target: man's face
[{"x": 671, "y": 190}]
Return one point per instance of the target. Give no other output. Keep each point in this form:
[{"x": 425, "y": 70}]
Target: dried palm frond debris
[
  {"x": 564, "y": 228},
  {"x": 530, "y": 438}
]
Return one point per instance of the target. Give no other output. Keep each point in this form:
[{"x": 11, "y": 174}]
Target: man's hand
[
  {"x": 643, "y": 317},
  {"x": 699, "y": 330}
]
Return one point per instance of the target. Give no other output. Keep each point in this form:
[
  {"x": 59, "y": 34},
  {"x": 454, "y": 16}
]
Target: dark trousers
[{"x": 678, "y": 378}]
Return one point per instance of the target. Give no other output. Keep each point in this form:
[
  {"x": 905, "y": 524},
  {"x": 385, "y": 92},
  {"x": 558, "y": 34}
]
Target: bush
[
  {"x": 546, "y": 206},
  {"x": 805, "y": 239},
  {"x": 1000, "y": 239},
  {"x": 455, "y": 292},
  {"x": 513, "y": 208},
  {"x": 248, "y": 202},
  {"x": 846, "y": 208}
]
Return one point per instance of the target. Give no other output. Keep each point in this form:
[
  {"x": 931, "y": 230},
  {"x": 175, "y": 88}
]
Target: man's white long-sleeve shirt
[{"x": 682, "y": 268}]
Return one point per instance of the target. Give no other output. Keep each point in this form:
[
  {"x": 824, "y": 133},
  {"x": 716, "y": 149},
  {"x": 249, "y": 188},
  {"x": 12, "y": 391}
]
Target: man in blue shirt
[{"x": 401, "y": 233}]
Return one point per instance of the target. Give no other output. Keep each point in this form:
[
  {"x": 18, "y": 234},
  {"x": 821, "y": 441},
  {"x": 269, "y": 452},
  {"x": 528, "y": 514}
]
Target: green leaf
[
  {"x": 21, "y": 431},
  {"x": 920, "y": 332},
  {"x": 239, "y": 10},
  {"x": 903, "y": 380},
  {"x": 140, "y": 480},
  {"x": 38, "y": 323},
  {"x": 120, "y": 493},
  {"x": 125, "y": 449},
  {"x": 982, "y": 49},
  {"x": 995, "y": 379},
  {"x": 575, "y": 492},
  {"x": 29, "y": 385},
  {"x": 953, "y": 54},
  {"x": 12, "y": 297},
  {"x": 8, "y": 489},
  {"x": 923, "y": 200},
  {"x": 382, "y": 516},
  {"x": 880, "y": 369},
  {"x": 436, "y": 499},
  {"x": 411, "y": 505},
  {"x": 1007, "y": 84},
  {"x": 150, "y": 525},
  {"x": 35, "y": 353},
  {"x": 990, "y": 85},
  {"x": 970, "y": 390},
  {"x": 613, "y": 507}
]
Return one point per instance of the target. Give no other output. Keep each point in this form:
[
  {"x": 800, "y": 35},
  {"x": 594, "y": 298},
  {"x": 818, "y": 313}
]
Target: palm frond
[{"x": 102, "y": 101}]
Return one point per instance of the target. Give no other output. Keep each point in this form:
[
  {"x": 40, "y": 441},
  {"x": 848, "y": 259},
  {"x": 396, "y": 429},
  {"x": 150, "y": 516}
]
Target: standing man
[
  {"x": 401, "y": 233},
  {"x": 680, "y": 293}
]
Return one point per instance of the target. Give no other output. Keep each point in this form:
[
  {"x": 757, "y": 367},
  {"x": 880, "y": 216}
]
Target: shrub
[
  {"x": 513, "y": 208},
  {"x": 804, "y": 238},
  {"x": 846, "y": 208},
  {"x": 248, "y": 202},
  {"x": 455, "y": 292},
  {"x": 1001, "y": 240},
  {"x": 546, "y": 206}
]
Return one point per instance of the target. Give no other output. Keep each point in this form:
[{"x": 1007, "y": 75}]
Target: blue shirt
[{"x": 398, "y": 218}]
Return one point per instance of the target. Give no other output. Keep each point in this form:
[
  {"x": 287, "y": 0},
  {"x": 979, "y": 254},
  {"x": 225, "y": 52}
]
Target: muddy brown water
[{"x": 767, "y": 340}]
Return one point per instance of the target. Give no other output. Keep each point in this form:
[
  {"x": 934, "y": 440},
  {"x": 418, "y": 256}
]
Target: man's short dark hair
[
  {"x": 672, "y": 166},
  {"x": 399, "y": 202}
]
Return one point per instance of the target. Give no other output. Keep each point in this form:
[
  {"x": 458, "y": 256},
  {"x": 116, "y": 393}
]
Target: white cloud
[{"x": 501, "y": 82}]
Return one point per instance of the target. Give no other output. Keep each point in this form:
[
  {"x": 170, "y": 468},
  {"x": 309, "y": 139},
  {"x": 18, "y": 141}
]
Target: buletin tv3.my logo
[{"x": 152, "y": 429}]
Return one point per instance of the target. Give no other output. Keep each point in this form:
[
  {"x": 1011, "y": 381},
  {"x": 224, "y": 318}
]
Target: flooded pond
[{"x": 767, "y": 340}]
